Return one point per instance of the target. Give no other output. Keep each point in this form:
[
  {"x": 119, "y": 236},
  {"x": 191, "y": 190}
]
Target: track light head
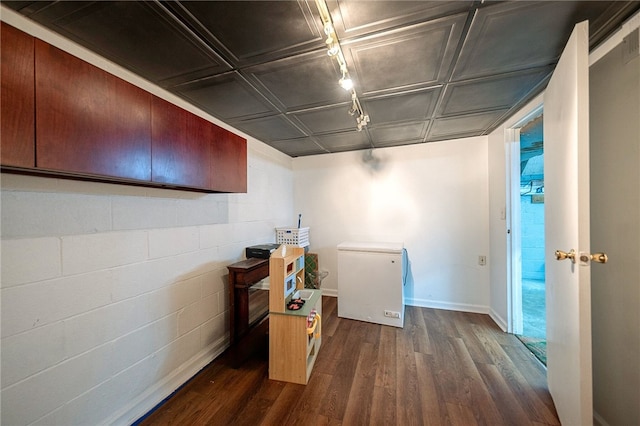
[{"x": 346, "y": 83}]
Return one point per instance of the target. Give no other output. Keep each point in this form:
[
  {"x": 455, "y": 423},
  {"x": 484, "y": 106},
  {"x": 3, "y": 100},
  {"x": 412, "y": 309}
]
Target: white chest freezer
[{"x": 371, "y": 282}]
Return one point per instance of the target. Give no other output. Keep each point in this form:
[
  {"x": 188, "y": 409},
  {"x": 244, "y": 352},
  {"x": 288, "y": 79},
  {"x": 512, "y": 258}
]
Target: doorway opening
[
  {"x": 534, "y": 314},
  {"x": 527, "y": 222}
]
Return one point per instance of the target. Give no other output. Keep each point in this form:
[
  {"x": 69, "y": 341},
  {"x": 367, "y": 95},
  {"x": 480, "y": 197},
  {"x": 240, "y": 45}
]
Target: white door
[{"x": 566, "y": 162}]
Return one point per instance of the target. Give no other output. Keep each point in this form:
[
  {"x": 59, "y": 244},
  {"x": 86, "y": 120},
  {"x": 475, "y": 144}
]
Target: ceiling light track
[{"x": 334, "y": 50}]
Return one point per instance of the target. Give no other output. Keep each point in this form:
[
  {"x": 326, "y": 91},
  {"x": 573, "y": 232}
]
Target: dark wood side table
[{"x": 243, "y": 275}]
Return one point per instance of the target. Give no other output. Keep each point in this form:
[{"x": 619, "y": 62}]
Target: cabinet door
[
  {"x": 229, "y": 162},
  {"x": 89, "y": 121},
  {"x": 181, "y": 147},
  {"x": 17, "y": 98}
]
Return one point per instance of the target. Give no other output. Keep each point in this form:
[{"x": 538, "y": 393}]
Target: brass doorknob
[
  {"x": 561, "y": 255},
  {"x": 596, "y": 257}
]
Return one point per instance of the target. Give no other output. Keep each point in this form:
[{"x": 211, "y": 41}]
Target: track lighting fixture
[
  {"x": 362, "y": 121},
  {"x": 335, "y": 51},
  {"x": 345, "y": 82}
]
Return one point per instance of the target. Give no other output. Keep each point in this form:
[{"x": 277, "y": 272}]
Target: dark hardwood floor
[{"x": 442, "y": 368}]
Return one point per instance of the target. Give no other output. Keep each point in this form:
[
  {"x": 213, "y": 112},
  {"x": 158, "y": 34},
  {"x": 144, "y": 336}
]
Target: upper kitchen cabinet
[
  {"x": 181, "y": 146},
  {"x": 190, "y": 151},
  {"x": 64, "y": 116},
  {"x": 17, "y": 98},
  {"x": 88, "y": 121},
  {"x": 229, "y": 162}
]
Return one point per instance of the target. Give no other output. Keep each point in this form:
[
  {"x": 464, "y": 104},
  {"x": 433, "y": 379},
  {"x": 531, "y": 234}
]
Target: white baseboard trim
[
  {"x": 144, "y": 403},
  {"x": 498, "y": 320},
  {"x": 331, "y": 292},
  {"x": 449, "y": 306},
  {"x": 463, "y": 307}
]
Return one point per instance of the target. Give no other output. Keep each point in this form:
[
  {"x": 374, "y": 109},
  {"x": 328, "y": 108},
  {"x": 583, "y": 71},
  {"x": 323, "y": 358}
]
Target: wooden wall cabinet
[
  {"x": 89, "y": 121},
  {"x": 294, "y": 335},
  {"x": 228, "y": 162},
  {"x": 190, "y": 151},
  {"x": 64, "y": 116},
  {"x": 17, "y": 127},
  {"x": 181, "y": 146}
]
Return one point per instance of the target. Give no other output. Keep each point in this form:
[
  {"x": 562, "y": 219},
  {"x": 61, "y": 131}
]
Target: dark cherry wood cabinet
[
  {"x": 181, "y": 146},
  {"x": 89, "y": 121},
  {"x": 229, "y": 162},
  {"x": 17, "y": 127},
  {"x": 64, "y": 116}
]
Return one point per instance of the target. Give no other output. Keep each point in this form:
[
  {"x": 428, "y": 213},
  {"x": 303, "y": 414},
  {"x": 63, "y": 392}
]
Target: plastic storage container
[{"x": 293, "y": 236}]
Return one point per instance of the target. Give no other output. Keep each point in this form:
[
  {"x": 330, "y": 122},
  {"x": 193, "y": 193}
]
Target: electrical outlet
[
  {"x": 482, "y": 260},
  {"x": 392, "y": 314}
]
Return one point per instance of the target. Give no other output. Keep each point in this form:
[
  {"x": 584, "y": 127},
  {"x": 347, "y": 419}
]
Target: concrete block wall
[{"x": 112, "y": 296}]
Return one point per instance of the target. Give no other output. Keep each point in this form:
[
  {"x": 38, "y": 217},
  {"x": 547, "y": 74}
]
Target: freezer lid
[{"x": 375, "y": 247}]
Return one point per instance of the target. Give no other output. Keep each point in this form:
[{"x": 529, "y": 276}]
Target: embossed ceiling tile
[
  {"x": 408, "y": 106},
  {"x": 512, "y": 36},
  {"x": 327, "y": 120},
  {"x": 298, "y": 147},
  {"x": 227, "y": 96},
  {"x": 269, "y": 129},
  {"x": 136, "y": 35},
  {"x": 390, "y": 135},
  {"x": 417, "y": 56},
  {"x": 43, "y": 10},
  {"x": 345, "y": 141},
  {"x": 490, "y": 93},
  {"x": 463, "y": 126},
  {"x": 262, "y": 66},
  {"x": 249, "y": 30},
  {"x": 355, "y": 18},
  {"x": 303, "y": 81}
]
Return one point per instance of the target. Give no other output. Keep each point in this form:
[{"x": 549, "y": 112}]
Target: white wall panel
[
  {"x": 172, "y": 241},
  {"x": 30, "y": 260},
  {"x": 85, "y": 253},
  {"x": 214, "y": 329},
  {"x": 433, "y": 197},
  {"x": 54, "y": 386},
  {"x": 144, "y": 212},
  {"x": 57, "y": 214},
  {"x": 33, "y": 305},
  {"x": 91, "y": 329},
  {"x": 22, "y": 355}
]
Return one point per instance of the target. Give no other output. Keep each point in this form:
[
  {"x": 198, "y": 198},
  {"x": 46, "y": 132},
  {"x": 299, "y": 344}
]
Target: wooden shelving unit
[
  {"x": 294, "y": 336},
  {"x": 286, "y": 270}
]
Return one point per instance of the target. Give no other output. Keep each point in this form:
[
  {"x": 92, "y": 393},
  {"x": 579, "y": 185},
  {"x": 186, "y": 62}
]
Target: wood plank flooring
[{"x": 442, "y": 368}]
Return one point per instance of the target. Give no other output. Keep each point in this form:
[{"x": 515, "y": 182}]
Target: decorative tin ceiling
[{"x": 423, "y": 70}]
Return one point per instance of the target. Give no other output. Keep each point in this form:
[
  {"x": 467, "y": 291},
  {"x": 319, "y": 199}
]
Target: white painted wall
[
  {"x": 112, "y": 296},
  {"x": 433, "y": 197}
]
